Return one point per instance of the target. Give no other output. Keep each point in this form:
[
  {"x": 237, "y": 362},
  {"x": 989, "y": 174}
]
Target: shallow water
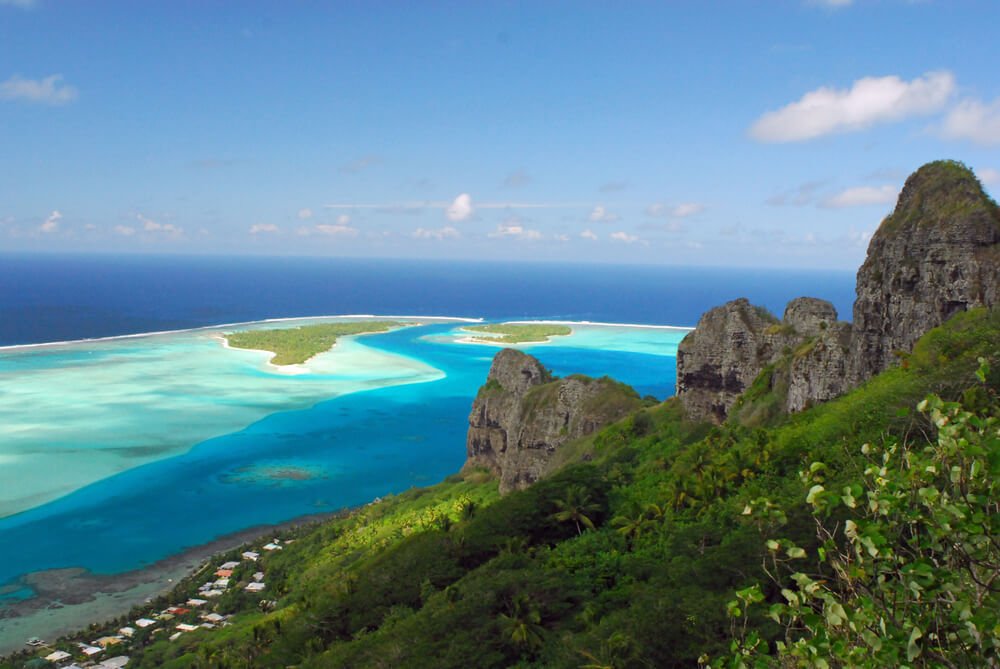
[{"x": 164, "y": 442}]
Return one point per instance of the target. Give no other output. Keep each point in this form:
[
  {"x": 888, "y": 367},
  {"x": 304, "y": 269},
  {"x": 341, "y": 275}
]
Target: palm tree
[
  {"x": 523, "y": 624},
  {"x": 576, "y": 506},
  {"x": 630, "y": 527}
]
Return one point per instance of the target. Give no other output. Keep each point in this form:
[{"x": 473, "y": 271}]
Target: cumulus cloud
[
  {"x": 149, "y": 225},
  {"x": 305, "y": 213},
  {"x": 513, "y": 228},
  {"x": 124, "y": 230},
  {"x": 989, "y": 176},
  {"x": 446, "y": 232},
  {"x": 622, "y": 236},
  {"x": 258, "y": 228},
  {"x": 869, "y": 101},
  {"x": 974, "y": 121},
  {"x": 51, "y": 223},
  {"x": 588, "y": 234},
  {"x": 600, "y": 214},
  {"x": 683, "y": 210},
  {"x": 46, "y": 91},
  {"x": 861, "y": 196},
  {"x": 460, "y": 209}
]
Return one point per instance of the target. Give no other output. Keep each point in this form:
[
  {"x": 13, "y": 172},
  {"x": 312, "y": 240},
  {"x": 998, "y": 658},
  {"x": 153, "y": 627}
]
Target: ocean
[{"x": 118, "y": 453}]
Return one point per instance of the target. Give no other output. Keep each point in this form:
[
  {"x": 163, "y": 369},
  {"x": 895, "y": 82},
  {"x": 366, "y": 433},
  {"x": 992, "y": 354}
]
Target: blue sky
[{"x": 686, "y": 133}]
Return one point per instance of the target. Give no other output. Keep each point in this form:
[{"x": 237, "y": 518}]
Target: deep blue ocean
[
  {"x": 368, "y": 443},
  {"x": 64, "y": 297}
]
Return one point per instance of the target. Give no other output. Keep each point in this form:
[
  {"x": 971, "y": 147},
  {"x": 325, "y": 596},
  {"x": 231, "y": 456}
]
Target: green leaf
[{"x": 912, "y": 647}]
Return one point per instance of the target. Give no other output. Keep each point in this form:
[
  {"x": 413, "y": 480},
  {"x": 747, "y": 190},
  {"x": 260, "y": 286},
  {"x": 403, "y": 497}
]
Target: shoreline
[
  {"x": 67, "y": 599},
  {"x": 156, "y": 333},
  {"x": 446, "y": 319}
]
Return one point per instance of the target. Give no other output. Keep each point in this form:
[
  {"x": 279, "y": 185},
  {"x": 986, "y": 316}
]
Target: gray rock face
[
  {"x": 722, "y": 356},
  {"x": 522, "y": 416},
  {"x": 937, "y": 254},
  {"x": 820, "y": 369}
]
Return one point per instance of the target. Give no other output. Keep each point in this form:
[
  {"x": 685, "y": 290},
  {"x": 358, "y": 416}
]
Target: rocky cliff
[
  {"x": 522, "y": 416},
  {"x": 938, "y": 253},
  {"x": 733, "y": 344}
]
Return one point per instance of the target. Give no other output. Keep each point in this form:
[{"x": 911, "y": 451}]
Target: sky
[{"x": 678, "y": 133}]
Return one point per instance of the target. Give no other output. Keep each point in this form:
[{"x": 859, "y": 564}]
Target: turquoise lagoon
[{"x": 117, "y": 453}]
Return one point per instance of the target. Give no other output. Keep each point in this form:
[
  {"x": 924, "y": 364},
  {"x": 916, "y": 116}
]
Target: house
[
  {"x": 175, "y": 636},
  {"x": 272, "y": 547},
  {"x": 127, "y": 631},
  {"x": 229, "y": 565},
  {"x": 114, "y": 662},
  {"x": 184, "y": 627},
  {"x": 144, "y": 622},
  {"x": 89, "y": 651},
  {"x": 255, "y": 587},
  {"x": 250, "y": 555},
  {"x": 106, "y": 641},
  {"x": 213, "y": 617},
  {"x": 224, "y": 573},
  {"x": 258, "y": 576},
  {"x": 211, "y": 593},
  {"x": 178, "y": 610},
  {"x": 197, "y": 602},
  {"x": 222, "y": 583},
  {"x": 58, "y": 656}
]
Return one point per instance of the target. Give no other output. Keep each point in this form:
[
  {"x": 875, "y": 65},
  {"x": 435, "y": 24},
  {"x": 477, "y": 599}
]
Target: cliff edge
[
  {"x": 522, "y": 416},
  {"x": 937, "y": 254}
]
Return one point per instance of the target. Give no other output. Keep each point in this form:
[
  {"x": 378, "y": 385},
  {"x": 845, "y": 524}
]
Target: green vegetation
[
  {"x": 518, "y": 333},
  {"x": 294, "y": 345},
  {"x": 666, "y": 543}
]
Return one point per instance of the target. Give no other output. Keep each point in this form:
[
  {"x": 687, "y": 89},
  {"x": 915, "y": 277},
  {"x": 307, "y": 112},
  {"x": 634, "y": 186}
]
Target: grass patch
[
  {"x": 294, "y": 345},
  {"x": 518, "y": 333}
]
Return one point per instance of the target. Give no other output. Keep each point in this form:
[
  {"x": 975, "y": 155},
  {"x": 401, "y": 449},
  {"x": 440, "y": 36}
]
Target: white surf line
[
  {"x": 677, "y": 328},
  {"x": 155, "y": 333}
]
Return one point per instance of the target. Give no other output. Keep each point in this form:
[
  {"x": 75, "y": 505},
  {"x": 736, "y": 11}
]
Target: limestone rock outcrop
[
  {"x": 732, "y": 344},
  {"x": 937, "y": 254},
  {"x": 522, "y": 416}
]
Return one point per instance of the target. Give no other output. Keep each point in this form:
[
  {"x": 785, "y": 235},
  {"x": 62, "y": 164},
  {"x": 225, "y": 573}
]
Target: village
[{"x": 196, "y": 609}]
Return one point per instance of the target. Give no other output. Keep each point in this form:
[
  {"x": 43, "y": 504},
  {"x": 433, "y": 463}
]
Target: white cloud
[
  {"x": 799, "y": 196},
  {"x": 124, "y": 230},
  {"x": 686, "y": 209},
  {"x": 514, "y": 229},
  {"x": 21, "y": 4},
  {"x": 48, "y": 91},
  {"x": 51, "y": 223},
  {"x": 305, "y": 213},
  {"x": 90, "y": 227},
  {"x": 869, "y": 101},
  {"x": 258, "y": 228},
  {"x": 588, "y": 234},
  {"x": 861, "y": 196},
  {"x": 600, "y": 214},
  {"x": 446, "y": 232},
  {"x": 974, "y": 121},
  {"x": 561, "y": 237},
  {"x": 621, "y": 236},
  {"x": 989, "y": 176},
  {"x": 831, "y": 4},
  {"x": 149, "y": 225},
  {"x": 337, "y": 230},
  {"x": 859, "y": 239},
  {"x": 460, "y": 209},
  {"x": 343, "y": 219},
  {"x": 360, "y": 164}
]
